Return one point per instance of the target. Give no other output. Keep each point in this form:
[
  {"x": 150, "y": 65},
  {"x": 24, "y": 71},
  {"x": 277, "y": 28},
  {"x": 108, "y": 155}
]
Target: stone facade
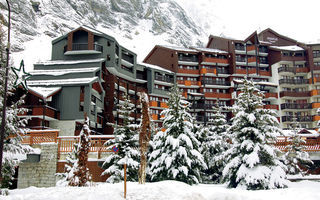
[{"x": 40, "y": 174}]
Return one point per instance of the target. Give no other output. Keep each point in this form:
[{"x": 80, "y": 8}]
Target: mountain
[{"x": 136, "y": 24}]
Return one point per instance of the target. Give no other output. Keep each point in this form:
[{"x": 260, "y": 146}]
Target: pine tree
[
  {"x": 126, "y": 140},
  {"x": 176, "y": 155},
  {"x": 296, "y": 159},
  {"x": 14, "y": 129},
  {"x": 252, "y": 161},
  {"x": 214, "y": 145}
]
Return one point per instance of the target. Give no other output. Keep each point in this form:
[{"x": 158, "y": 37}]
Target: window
[{"x": 316, "y": 53}]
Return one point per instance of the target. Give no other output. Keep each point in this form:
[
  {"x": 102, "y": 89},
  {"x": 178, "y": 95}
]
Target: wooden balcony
[
  {"x": 315, "y": 105},
  {"x": 252, "y": 71},
  {"x": 241, "y": 71},
  {"x": 252, "y": 59},
  {"x": 205, "y": 71},
  {"x": 294, "y": 94},
  {"x": 188, "y": 71},
  {"x": 215, "y": 82},
  {"x": 270, "y": 95},
  {"x": 42, "y": 111},
  {"x": 302, "y": 70},
  {"x": 265, "y": 73},
  {"x": 38, "y": 137},
  {"x": 315, "y": 92},
  {"x": 153, "y": 104},
  {"x": 215, "y": 60},
  {"x": 251, "y": 48},
  {"x": 163, "y": 105},
  {"x": 188, "y": 83},
  {"x": 270, "y": 106},
  {"x": 154, "y": 117},
  {"x": 217, "y": 95}
]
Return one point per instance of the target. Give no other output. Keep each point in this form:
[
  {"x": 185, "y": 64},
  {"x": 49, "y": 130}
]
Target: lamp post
[{"x": 3, "y": 121}]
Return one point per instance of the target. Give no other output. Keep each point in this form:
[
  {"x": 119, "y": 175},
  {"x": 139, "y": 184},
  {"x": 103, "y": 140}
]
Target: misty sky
[{"x": 239, "y": 18}]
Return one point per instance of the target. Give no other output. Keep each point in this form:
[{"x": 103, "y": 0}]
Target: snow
[
  {"x": 70, "y": 62},
  {"x": 45, "y": 92},
  {"x": 166, "y": 190},
  {"x": 156, "y": 67},
  {"x": 59, "y": 72},
  {"x": 288, "y": 48},
  {"x": 179, "y": 48},
  {"x": 209, "y": 50},
  {"x": 62, "y": 81}
]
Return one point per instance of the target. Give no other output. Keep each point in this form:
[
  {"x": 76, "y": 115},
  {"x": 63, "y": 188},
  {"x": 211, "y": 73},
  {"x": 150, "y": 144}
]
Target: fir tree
[
  {"x": 126, "y": 140},
  {"x": 252, "y": 161},
  {"x": 175, "y": 155},
  {"x": 215, "y": 143},
  {"x": 14, "y": 129},
  {"x": 77, "y": 173},
  {"x": 296, "y": 159}
]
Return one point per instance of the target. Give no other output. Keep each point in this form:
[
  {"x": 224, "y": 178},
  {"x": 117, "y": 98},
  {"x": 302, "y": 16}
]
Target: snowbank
[{"x": 166, "y": 190}]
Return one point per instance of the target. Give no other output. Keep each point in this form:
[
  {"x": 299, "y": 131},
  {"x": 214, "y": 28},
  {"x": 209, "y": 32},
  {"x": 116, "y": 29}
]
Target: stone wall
[{"x": 40, "y": 174}]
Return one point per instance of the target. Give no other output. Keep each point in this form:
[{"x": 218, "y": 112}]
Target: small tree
[
  {"x": 252, "y": 161},
  {"x": 144, "y": 137},
  {"x": 175, "y": 155},
  {"x": 215, "y": 145},
  {"x": 76, "y": 168},
  {"x": 14, "y": 129},
  {"x": 296, "y": 159},
  {"x": 126, "y": 140}
]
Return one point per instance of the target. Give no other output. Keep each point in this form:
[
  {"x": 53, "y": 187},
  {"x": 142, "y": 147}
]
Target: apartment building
[
  {"x": 90, "y": 72},
  {"x": 283, "y": 68}
]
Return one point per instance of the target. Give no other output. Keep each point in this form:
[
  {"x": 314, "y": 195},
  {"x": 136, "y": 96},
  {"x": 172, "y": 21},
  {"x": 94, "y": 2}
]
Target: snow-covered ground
[{"x": 167, "y": 190}]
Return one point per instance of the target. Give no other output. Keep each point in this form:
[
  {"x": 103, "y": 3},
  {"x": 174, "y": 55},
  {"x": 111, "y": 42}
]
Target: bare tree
[{"x": 144, "y": 137}]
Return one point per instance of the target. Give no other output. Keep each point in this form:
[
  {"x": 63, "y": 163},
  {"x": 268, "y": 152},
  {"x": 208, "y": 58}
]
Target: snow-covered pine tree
[
  {"x": 14, "y": 125},
  {"x": 296, "y": 159},
  {"x": 215, "y": 143},
  {"x": 175, "y": 155},
  {"x": 126, "y": 140},
  {"x": 76, "y": 168},
  {"x": 252, "y": 161}
]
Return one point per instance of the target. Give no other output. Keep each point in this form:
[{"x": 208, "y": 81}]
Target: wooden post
[{"x": 125, "y": 180}]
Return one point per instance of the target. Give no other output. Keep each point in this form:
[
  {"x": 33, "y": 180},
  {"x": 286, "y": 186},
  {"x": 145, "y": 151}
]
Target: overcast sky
[{"x": 239, "y": 18}]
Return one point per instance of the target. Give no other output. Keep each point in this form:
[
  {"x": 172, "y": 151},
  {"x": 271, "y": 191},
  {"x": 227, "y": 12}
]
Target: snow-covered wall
[{"x": 40, "y": 174}]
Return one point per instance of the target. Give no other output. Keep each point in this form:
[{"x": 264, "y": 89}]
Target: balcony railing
[
  {"x": 188, "y": 59},
  {"x": 215, "y": 82},
  {"x": 202, "y": 106},
  {"x": 270, "y": 106},
  {"x": 164, "y": 79},
  {"x": 84, "y": 46},
  {"x": 296, "y": 106},
  {"x": 293, "y": 81},
  {"x": 295, "y": 94},
  {"x": 240, "y": 48},
  {"x": 286, "y": 69},
  {"x": 222, "y": 71},
  {"x": 298, "y": 119}
]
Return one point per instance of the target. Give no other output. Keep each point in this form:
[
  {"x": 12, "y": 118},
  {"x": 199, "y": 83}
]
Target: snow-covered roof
[
  {"x": 179, "y": 48},
  {"x": 209, "y": 50},
  {"x": 44, "y": 92},
  {"x": 156, "y": 67},
  {"x": 288, "y": 48},
  {"x": 61, "y": 81},
  {"x": 70, "y": 62},
  {"x": 59, "y": 72}
]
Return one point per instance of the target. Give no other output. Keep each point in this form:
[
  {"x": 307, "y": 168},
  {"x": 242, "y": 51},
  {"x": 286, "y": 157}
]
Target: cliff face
[{"x": 132, "y": 20}]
